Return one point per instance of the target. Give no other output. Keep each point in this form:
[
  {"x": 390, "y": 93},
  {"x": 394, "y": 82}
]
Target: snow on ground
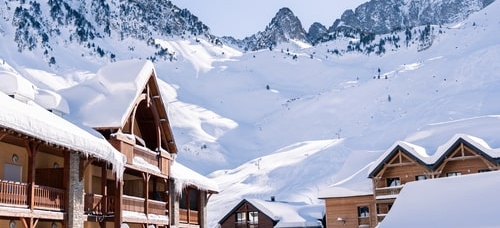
[
  {"x": 301, "y": 121},
  {"x": 462, "y": 201}
]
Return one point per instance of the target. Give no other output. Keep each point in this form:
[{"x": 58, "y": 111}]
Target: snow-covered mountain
[
  {"x": 285, "y": 26},
  {"x": 290, "y": 120},
  {"x": 382, "y": 16}
]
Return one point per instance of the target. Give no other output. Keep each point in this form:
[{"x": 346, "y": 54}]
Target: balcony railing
[
  {"x": 388, "y": 191},
  {"x": 94, "y": 204},
  {"x": 148, "y": 156},
  {"x": 15, "y": 194},
  {"x": 188, "y": 216},
  {"x": 49, "y": 198}
]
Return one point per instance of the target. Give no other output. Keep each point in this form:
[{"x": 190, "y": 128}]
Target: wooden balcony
[
  {"x": 95, "y": 204},
  {"x": 148, "y": 156},
  {"x": 15, "y": 194},
  {"x": 388, "y": 192},
  {"x": 188, "y": 216}
]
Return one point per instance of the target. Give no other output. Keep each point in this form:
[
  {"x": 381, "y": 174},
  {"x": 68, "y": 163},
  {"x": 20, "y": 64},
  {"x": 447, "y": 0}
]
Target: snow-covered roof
[
  {"x": 480, "y": 144},
  {"x": 421, "y": 155},
  {"x": 289, "y": 214},
  {"x": 109, "y": 97},
  {"x": 183, "y": 177},
  {"x": 356, "y": 185},
  {"x": 15, "y": 85},
  {"x": 51, "y": 101},
  {"x": 416, "y": 152},
  {"x": 461, "y": 201},
  {"x": 33, "y": 120}
]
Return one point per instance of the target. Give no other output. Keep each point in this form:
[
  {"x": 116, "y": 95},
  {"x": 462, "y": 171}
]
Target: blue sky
[{"x": 243, "y": 18}]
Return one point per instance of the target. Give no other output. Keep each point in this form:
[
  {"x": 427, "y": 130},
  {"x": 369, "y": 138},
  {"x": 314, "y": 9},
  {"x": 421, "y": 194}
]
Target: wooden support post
[
  {"x": 32, "y": 150},
  {"x": 145, "y": 181},
  {"x": 118, "y": 202},
  {"x": 66, "y": 178},
  {"x": 104, "y": 192}
]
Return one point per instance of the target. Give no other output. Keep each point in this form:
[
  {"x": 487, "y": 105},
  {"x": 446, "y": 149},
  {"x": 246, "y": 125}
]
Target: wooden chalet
[
  {"x": 41, "y": 158},
  {"x": 133, "y": 118},
  {"x": 404, "y": 163},
  {"x": 117, "y": 171},
  {"x": 253, "y": 213}
]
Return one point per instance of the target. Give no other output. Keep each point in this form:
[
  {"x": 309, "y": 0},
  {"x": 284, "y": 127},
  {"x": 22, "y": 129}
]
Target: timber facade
[
  {"x": 246, "y": 215},
  {"x": 254, "y": 213},
  {"x": 44, "y": 184},
  {"x": 404, "y": 163}
]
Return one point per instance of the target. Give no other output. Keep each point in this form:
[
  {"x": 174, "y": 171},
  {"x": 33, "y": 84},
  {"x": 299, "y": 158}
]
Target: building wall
[
  {"x": 6, "y": 153},
  {"x": 346, "y": 208},
  {"x": 464, "y": 167},
  {"x": 406, "y": 171}
]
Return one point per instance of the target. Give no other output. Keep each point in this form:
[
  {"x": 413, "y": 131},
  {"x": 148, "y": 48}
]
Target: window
[
  {"x": 420, "y": 177},
  {"x": 391, "y": 182},
  {"x": 12, "y": 172},
  {"x": 452, "y": 174},
  {"x": 193, "y": 199},
  {"x": 483, "y": 170},
  {"x": 363, "y": 212},
  {"x": 253, "y": 217},
  {"x": 241, "y": 217}
]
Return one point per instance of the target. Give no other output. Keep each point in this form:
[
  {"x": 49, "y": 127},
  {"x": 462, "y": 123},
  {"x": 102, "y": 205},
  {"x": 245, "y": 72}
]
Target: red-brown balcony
[
  {"x": 15, "y": 194},
  {"x": 96, "y": 204}
]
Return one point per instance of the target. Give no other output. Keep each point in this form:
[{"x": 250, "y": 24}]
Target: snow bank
[{"x": 462, "y": 201}]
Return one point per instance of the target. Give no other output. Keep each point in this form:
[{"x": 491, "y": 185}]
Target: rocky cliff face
[
  {"x": 375, "y": 17},
  {"x": 385, "y": 16},
  {"x": 43, "y": 25},
  {"x": 283, "y": 27}
]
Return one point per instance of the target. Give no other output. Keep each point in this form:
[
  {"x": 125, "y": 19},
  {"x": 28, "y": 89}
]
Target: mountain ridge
[{"x": 322, "y": 105}]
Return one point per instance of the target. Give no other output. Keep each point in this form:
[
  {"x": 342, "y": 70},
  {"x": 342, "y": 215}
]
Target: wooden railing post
[{"x": 31, "y": 149}]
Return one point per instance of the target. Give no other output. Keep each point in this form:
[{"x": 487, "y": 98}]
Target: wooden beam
[
  {"x": 104, "y": 189},
  {"x": 400, "y": 164},
  {"x": 23, "y": 221},
  {"x": 2, "y": 135},
  {"x": 145, "y": 178},
  {"x": 32, "y": 150},
  {"x": 66, "y": 177},
  {"x": 118, "y": 203},
  {"x": 148, "y": 96},
  {"x": 84, "y": 165}
]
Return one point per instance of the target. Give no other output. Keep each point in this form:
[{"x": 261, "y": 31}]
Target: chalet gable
[
  {"x": 246, "y": 205},
  {"x": 400, "y": 154},
  {"x": 124, "y": 98},
  {"x": 464, "y": 147},
  {"x": 276, "y": 214},
  {"x": 459, "y": 147}
]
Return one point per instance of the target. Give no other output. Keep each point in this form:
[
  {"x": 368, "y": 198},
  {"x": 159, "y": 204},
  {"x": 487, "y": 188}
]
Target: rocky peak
[
  {"x": 385, "y": 16},
  {"x": 316, "y": 32},
  {"x": 285, "y": 26}
]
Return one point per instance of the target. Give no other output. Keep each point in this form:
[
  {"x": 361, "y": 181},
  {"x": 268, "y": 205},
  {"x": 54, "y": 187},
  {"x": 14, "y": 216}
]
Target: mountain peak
[{"x": 285, "y": 26}]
